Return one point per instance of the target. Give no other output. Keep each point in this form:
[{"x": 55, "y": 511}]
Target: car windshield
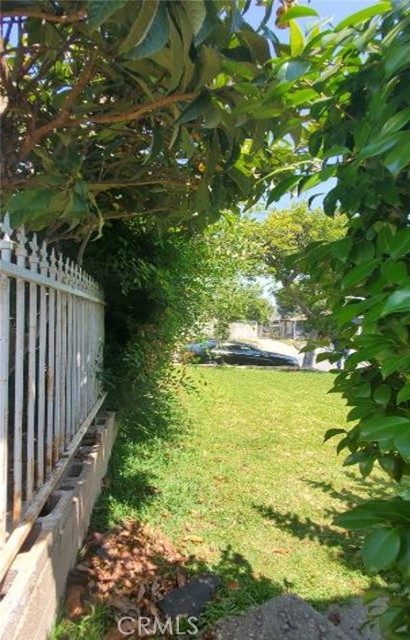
[{"x": 236, "y": 345}]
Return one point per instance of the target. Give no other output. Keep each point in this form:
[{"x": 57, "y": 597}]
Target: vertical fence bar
[
  {"x": 68, "y": 401},
  {"x": 74, "y": 350},
  {"x": 32, "y": 389},
  {"x": 82, "y": 349},
  {"x": 21, "y": 254},
  {"x": 51, "y": 363},
  {"x": 102, "y": 343},
  {"x": 57, "y": 365},
  {"x": 63, "y": 363},
  {"x": 41, "y": 382},
  {"x": 5, "y": 253},
  {"x": 88, "y": 339}
]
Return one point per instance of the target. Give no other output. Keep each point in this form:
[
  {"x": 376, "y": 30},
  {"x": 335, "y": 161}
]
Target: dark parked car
[{"x": 229, "y": 352}]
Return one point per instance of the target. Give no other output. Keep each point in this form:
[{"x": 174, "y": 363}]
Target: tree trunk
[{"x": 309, "y": 356}]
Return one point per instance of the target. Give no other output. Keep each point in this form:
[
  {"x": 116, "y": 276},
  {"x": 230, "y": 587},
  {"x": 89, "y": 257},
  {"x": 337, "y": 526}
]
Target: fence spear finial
[{"x": 6, "y": 228}]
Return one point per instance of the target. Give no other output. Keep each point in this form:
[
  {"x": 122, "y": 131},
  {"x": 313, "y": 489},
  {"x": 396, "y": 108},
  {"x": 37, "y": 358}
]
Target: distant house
[
  {"x": 290, "y": 327},
  {"x": 280, "y": 327},
  {"x": 283, "y": 328},
  {"x": 244, "y": 330}
]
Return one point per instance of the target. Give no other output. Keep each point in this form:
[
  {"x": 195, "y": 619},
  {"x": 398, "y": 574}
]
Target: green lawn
[{"x": 233, "y": 469}]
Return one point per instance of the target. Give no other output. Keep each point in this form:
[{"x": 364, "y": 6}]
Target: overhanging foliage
[
  {"x": 116, "y": 109},
  {"x": 350, "y": 86}
]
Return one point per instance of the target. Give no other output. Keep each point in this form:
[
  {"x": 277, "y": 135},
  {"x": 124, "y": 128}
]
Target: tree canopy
[
  {"x": 119, "y": 109},
  {"x": 228, "y": 273},
  {"x": 282, "y": 237}
]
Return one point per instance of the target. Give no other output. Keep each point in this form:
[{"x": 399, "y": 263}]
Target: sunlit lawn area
[{"x": 235, "y": 472}]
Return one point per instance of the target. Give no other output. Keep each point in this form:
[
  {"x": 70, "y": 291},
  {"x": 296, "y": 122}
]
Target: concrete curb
[{"x": 36, "y": 580}]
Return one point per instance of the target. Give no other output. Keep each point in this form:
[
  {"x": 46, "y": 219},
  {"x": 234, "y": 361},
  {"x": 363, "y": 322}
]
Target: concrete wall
[
  {"x": 35, "y": 584},
  {"x": 243, "y": 330}
]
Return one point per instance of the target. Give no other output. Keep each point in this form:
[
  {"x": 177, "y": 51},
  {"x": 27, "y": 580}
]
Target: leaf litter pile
[{"x": 129, "y": 569}]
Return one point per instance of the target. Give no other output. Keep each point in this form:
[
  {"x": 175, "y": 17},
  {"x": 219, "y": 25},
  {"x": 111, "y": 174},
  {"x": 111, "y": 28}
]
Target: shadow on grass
[
  {"x": 155, "y": 416},
  {"x": 241, "y": 588},
  {"x": 379, "y": 488},
  {"x": 346, "y": 543}
]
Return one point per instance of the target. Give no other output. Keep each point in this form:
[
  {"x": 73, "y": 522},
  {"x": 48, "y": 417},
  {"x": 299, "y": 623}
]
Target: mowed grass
[{"x": 233, "y": 469}]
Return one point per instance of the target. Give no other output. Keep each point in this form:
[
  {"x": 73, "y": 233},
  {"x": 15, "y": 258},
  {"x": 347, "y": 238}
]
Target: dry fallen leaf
[
  {"x": 74, "y": 601},
  {"x": 194, "y": 539},
  {"x": 129, "y": 568},
  {"x": 234, "y": 585}
]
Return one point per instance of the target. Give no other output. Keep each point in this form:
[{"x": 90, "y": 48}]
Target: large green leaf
[
  {"x": 242, "y": 179},
  {"x": 359, "y": 273},
  {"x": 382, "y": 144},
  {"x": 404, "y": 393},
  {"x": 100, "y": 10},
  {"x": 245, "y": 70},
  {"x": 359, "y": 457},
  {"x": 156, "y": 38},
  {"x": 381, "y": 548},
  {"x": 353, "y": 310},
  {"x": 398, "y": 245},
  {"x": 396, "y": 122},
  {"x": 374, "y": 512},
  {"x": 175, "y": 55},
  {"x": 397, "y": 302},
  {"x": 402, "y": 443},
  {"x": 196, "y": 13},
  {"x": 404, "y": 557},
  {"x": 383, "y": 428},
  {"x": 382, "y": 394},
  {"x": 396, "y": 56},
  {"x": 395, "y": 272},
  {"x": 212, "y": 116},
  {"x": 392, "y": 364},
  {"x": 292, "y": 70},
  {"x": 284, "y": 186},
  {"x": 399, "y": 157},
  {"x": 257, "y": 45},
  {"x": 365, "y": 14},
  {"x": 195, "y": 109},
  {"x": 29, "y": 204},
  {"x": 330, "y": 433},
  {"x": 297, "y": 12},
  {"x": 297, "y": 39},
  {"x": 141, "y": 26},
  {"x": 209, "y": 65}
]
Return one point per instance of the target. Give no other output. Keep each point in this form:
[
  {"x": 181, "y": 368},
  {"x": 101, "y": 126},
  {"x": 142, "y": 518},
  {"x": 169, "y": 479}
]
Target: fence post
[
  {"x": 41, "y": 407},
  {"x": 21, "y": 255},
  {"x": 32, "y": 387},
  {"x": 67, "y": 390},
  {"x": 5, "y": 254},
  {"x": 51, "y": 368}
]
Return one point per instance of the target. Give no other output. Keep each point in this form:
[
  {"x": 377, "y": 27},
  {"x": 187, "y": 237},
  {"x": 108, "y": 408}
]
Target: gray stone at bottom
[
  {"x": 283, "y": 618},
  {"x": 191, "y": 599}
]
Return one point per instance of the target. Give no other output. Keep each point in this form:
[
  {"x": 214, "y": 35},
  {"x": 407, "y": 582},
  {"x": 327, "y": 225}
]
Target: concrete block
[{"x": 36, "y": 580}]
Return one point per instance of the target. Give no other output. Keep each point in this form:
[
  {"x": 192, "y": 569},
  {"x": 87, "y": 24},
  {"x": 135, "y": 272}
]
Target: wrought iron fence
[{"x": 51, "y": 344}]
